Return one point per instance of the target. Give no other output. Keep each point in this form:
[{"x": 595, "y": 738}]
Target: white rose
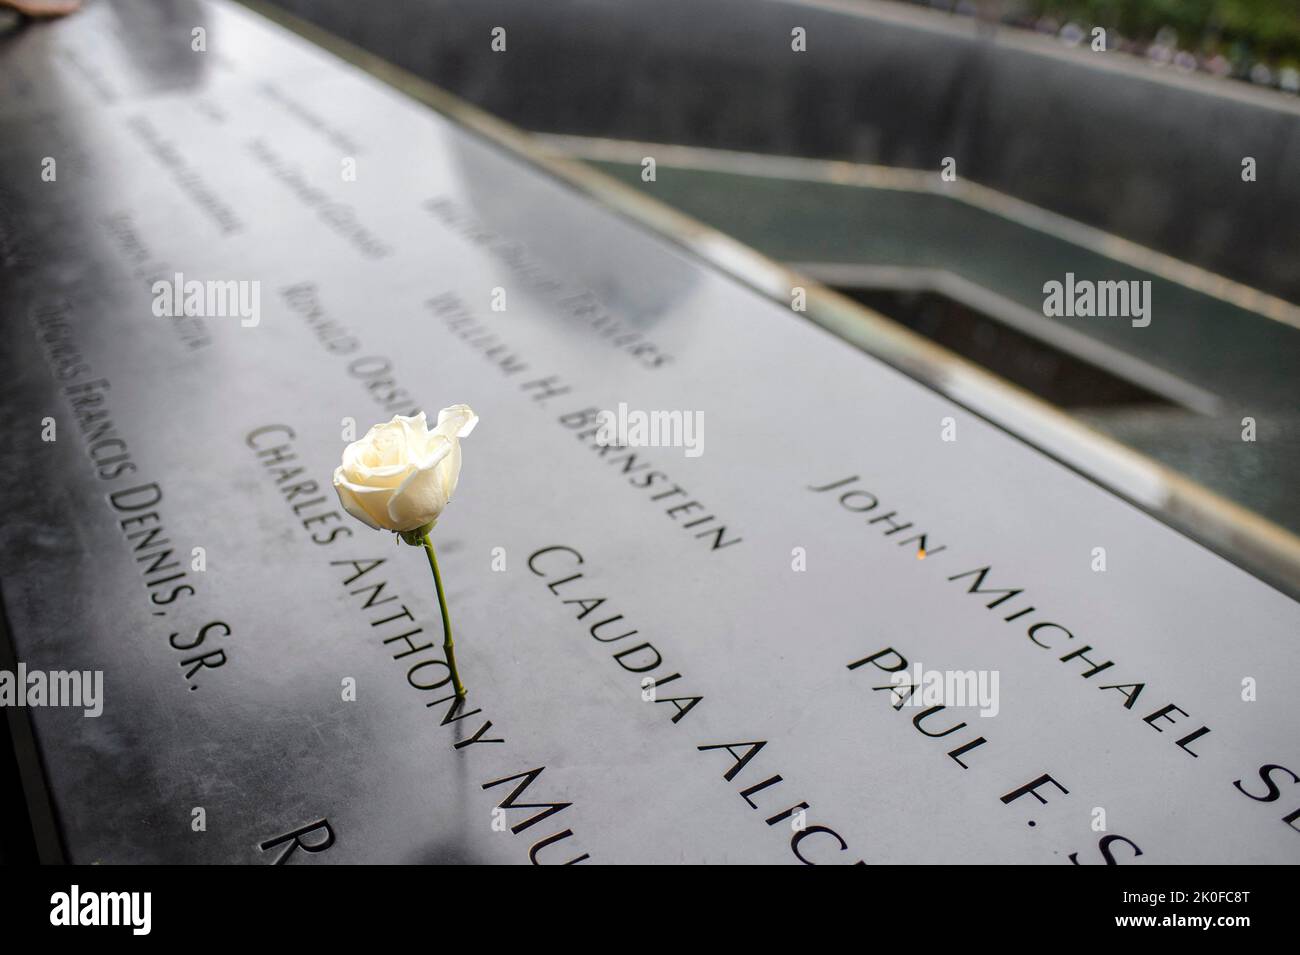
[{"x": 401, "y": 475}]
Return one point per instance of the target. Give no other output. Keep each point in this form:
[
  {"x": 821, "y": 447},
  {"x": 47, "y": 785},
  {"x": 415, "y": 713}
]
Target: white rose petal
[{"x": 401, "y": 475}]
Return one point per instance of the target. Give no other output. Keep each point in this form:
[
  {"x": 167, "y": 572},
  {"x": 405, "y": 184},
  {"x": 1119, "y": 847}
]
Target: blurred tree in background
[
  {"x": 1255, "y": 40},
  {"x": 1258, "y": 29}
]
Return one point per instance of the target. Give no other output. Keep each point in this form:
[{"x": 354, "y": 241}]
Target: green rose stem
[{"x": 447, "y": 643}]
